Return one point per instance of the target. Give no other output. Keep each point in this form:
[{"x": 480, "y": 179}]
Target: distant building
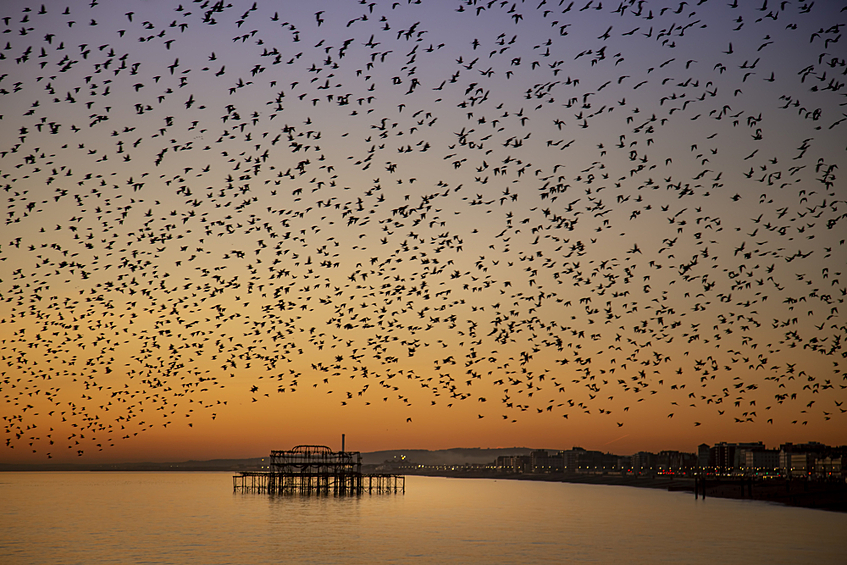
[
  {"x": 741, "y": 450},
  {"x": 514, "y": 463},
  {"x": 729, "y": 458},
  {"x": 703, "y": 457},
  {"x": 643, "y": 462},
  {"x": 802, "y": 464},
  {"x": 579, "y": 460},
  {"x": 832, "y": 467},
  {"x": 571, "y": 459},
  {"x": 676, "y": 462},
  {"x": 722, "y": 457},
  {"x": 798, "y": 460},
  {"x": 541, "y": 462},
  {"x": 761, "y": 462}
]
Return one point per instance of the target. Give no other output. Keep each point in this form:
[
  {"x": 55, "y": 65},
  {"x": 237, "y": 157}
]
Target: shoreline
[{"x": 818, "y": 495}]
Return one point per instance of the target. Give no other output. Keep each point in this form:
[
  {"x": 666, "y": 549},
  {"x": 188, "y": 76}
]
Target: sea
[{"x": 186, "y": 517}]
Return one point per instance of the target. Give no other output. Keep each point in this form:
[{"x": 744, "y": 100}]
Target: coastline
[{"x": 819, "y": 495}]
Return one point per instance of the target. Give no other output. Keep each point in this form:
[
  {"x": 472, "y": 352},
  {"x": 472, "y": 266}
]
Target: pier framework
[{"x": 309, "y": 469}]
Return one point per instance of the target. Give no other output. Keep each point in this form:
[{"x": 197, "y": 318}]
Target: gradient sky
[{"x": 237, "y": 227}]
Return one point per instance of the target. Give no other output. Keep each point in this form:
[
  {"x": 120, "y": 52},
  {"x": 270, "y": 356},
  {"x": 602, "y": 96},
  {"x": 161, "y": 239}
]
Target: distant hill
[{"x": 455, "y": 456}]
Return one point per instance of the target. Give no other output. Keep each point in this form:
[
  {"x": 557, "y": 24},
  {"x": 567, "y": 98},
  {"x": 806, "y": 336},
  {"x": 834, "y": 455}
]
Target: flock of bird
[{"x": 515, "y": 209}]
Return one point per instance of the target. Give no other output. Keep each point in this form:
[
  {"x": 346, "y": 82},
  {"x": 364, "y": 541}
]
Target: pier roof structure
[{"x": 316, "y": 469}]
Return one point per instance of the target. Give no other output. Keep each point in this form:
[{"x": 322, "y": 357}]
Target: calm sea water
[{"x": 86, "y": 518}]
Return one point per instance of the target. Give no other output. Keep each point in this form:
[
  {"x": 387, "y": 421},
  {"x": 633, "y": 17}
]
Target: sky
[{"x": 233, "y": 227}]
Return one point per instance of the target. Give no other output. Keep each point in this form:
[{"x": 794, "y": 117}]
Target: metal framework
[{"x": 317, "y": 469}]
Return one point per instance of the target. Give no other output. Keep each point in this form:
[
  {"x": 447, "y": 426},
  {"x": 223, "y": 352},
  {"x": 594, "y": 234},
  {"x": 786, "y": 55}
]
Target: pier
[{"x": 316, "y": 469}]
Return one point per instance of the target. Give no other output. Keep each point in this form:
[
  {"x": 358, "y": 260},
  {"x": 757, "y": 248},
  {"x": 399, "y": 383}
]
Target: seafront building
[{"x": 807, "y": 460}]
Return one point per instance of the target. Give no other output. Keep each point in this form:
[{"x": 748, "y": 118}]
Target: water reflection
[{"x": 195, "y": 518}]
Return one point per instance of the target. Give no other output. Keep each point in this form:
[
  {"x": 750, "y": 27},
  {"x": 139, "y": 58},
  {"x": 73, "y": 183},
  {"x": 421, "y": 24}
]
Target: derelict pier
[{"x": 316, "y": 469}]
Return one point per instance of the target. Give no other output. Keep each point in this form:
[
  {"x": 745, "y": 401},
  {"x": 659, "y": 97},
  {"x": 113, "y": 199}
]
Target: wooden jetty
[{"x": 316, "y": 469}]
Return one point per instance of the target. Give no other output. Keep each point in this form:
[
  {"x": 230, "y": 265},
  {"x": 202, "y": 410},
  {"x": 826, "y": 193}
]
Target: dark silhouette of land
[{"x": 818, "y": 494}]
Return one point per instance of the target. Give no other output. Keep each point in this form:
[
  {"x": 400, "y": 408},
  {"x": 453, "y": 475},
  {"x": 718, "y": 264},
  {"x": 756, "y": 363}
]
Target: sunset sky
[{"x": 233, "y": 227}]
